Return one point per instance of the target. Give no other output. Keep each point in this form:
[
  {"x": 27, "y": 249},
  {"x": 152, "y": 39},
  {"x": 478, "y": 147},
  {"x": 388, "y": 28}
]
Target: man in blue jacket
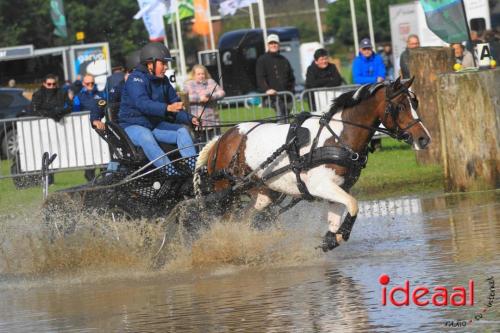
[
  {"x": 86, "y": 100},
  {"x": 367, "y": 67},
  {"x": 150, "y": 109}
]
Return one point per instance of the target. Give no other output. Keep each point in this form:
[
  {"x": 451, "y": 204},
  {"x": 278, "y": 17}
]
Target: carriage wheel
[
  {"x": 60, "y": 214},
  {"x": 182, "y": 226}
]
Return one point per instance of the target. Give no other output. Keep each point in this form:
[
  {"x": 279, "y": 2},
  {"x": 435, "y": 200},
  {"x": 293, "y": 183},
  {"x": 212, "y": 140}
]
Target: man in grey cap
[
  {"x": 275, "y": 74},
  {"x": 367, "y": 67}
]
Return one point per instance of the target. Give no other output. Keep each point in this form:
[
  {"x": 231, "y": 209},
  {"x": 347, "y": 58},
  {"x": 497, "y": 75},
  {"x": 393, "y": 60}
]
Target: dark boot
[
  {"x": 329, "y": 241},
  {"x": 346, "y": 227}
]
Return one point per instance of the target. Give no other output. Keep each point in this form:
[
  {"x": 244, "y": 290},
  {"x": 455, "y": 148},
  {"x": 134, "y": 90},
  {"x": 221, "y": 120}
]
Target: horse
[{"x": 316, "y": 157}]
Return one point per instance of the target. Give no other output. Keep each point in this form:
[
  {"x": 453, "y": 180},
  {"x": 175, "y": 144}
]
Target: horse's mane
[{"x": 353, "y": 97}]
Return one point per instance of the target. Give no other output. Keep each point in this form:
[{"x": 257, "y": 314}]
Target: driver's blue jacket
[{"x": 144, "y": 101}]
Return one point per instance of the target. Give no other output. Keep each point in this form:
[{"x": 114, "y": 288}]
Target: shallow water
[{"x": 237, "y": 279}]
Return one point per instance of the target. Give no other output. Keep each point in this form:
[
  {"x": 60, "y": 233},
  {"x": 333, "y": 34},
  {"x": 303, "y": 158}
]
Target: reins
[
  {"x": 216, "y": 84},
  {"x": 340, "y": 153}
]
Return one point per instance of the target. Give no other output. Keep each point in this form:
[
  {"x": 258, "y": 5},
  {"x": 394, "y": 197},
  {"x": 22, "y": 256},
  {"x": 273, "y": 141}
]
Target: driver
[{"x": 150, "y": 109}]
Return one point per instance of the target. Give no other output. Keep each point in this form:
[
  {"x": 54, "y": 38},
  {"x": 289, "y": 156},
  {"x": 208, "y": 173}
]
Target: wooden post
[
  {"x": 425, "y": 64},
  {"x": 469, "y": 114}
]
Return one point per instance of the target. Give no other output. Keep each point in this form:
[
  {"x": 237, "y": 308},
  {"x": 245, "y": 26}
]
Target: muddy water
[{"x": 235, "y": 279}]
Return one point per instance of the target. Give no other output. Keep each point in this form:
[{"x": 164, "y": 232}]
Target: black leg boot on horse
[{"x": 330, "y": 239}]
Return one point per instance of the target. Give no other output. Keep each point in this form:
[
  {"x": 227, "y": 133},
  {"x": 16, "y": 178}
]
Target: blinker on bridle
[{"x": 392, "y": 109}]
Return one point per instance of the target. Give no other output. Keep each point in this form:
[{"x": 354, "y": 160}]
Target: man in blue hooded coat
[
  {"x": 150, "y": 110},
  {"x": 367, "y": 67}
]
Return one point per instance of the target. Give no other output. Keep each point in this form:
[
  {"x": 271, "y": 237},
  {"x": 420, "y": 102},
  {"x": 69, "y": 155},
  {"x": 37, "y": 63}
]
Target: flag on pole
[
  {"x": 201, "y": 19},
  {"x": 185, "y": 8},
  {"x": 152, "y": 12},
  {"x": 446, "y": 18},
  {"x": 58, "y": 18},
  {"x": 229, "y": 7}
]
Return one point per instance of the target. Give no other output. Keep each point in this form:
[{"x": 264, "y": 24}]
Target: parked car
[{"x": 12, "y": 105}]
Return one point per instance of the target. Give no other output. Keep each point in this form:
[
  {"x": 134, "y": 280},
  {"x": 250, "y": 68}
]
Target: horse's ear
[
  {"x": 408, "y": 83},
  {"x": 396, "y": 83}
]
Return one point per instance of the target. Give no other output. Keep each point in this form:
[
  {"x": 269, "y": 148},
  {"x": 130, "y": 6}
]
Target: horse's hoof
[{"x": 329, "y": 241}]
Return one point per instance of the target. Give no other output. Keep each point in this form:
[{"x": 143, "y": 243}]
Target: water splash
[{"x": 97, "y": 246}]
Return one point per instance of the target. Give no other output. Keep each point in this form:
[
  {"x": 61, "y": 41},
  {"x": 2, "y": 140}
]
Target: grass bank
[
  {"x": 12, "y": 199},
  {"x": 393, "y": 171}
]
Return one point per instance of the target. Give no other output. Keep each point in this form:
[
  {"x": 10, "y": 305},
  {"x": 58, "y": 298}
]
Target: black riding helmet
[
  {"x": 133, "y": 59},
  {"x": 155, "y": 51}
]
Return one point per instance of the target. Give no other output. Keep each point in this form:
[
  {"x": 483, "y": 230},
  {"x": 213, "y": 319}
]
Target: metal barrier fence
[
  {"x": 74, "y": 141},
  {"x": 252, "y": 107},
  {"x": 319, "y": 100}
]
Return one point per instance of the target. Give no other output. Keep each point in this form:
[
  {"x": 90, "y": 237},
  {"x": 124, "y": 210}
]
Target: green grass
[
  {"x": 346, "y": 73},
  {"x": 393, "y": 171},
  {"x": 240, "y": 114},
  {"x": 12, "y": 199}
]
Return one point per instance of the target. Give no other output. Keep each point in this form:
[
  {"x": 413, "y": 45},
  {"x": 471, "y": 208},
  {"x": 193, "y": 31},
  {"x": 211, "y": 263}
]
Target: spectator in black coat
[
  {"x": 275, "y": 74},
  {"x": 50, "y": 101},
  {"x": 321, "y": 73}
]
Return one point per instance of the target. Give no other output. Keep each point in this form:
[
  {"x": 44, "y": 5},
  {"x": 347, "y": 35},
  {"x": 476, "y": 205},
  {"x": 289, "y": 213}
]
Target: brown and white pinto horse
[{"x": 350, "y": 124}]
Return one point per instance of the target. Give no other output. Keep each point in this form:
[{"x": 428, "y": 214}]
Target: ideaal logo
[
  {"x": 437, "y": 296},
  {"x": 461, "y": 296}
]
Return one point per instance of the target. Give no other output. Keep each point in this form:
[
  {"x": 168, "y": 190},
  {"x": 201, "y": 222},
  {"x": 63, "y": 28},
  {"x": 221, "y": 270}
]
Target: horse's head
[{"x": 400, "y": 114}]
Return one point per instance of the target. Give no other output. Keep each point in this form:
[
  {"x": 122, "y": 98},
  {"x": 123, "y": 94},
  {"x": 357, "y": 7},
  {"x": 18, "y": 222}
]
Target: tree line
[{"x": 29, "y": 22}]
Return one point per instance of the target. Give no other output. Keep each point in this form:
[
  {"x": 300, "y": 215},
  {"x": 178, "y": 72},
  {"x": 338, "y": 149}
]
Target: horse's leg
[
  {"x": 321, "y": 183},
  {"x": 260, "y": 198}
]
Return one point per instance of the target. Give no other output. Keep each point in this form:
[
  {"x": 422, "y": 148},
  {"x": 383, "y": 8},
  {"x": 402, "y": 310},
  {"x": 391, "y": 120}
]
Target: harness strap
[
  {"x": 354, "y": 162},
  {"x": 293, "y": 151}
]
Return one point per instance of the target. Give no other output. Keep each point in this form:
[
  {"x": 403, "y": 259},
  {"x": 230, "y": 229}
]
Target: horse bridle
[{"x": 392, "y": 109}]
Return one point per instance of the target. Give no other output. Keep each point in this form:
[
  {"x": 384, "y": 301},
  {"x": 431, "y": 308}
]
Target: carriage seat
[{"x": 120, "y": 144}]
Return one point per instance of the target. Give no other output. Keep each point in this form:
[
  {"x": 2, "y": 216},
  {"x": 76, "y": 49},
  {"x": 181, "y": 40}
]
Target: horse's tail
[{"x": 200, "y": 163}]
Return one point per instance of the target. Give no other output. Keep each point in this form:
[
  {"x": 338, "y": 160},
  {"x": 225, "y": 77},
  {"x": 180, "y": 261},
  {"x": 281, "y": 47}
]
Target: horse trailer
[{"x": 234, "y": 61}]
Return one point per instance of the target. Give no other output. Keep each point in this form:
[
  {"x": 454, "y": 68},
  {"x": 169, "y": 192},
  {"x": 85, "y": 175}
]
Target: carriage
[{"x": 133, "y": 188}]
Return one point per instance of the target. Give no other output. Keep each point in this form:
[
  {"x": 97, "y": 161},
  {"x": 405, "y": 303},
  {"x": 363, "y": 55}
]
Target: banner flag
[
  {"x": 58, "y": 18},
  {"x": 201, "y": 19},
  {"x": 229, "y": 7},
  {"x": 152, "y": 12},
  {"x": 446, "y": 18},
  {"x": 185, "y": 9}
]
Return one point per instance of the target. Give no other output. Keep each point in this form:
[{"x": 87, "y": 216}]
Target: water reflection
[{"x": 438, "y": 240}]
